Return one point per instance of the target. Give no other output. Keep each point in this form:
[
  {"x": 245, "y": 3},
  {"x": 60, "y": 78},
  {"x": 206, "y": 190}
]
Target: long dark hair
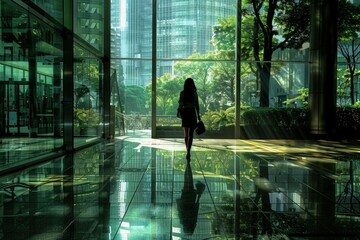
[{"x": 189, "y": 90}]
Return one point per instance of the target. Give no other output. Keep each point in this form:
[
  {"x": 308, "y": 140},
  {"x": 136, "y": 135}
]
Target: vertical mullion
[
  {"x": 153, "y": 75},
  {"x": 106, "y": 91},
  {"x": 237, "y": 70},
  {"x": 68, "y": 82}
]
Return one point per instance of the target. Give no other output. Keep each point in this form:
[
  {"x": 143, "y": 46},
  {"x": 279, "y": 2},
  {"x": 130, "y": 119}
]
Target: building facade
[{"x": 182, "y": 28}]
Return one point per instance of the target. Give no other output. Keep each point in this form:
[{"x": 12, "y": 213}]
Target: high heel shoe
[{"x": 200, "y": 187}]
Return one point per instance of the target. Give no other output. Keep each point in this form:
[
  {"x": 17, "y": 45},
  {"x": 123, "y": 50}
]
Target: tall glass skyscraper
[{"x": 183, "y": 28}]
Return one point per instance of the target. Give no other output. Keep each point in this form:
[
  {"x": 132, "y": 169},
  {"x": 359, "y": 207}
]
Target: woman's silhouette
[
  {"x": 188, "y": 203},
  {"x": 189, "y": 108}
]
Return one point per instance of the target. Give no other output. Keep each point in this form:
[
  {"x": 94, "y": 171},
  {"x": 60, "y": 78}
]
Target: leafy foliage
[
  {"x": 348, "y": 117},
  {"x": 136, "y": 98},
  {"x": 87, "y": 117},
  {"x": 303, "y": 97},
  {"x": 168, "y": 89},
  {"x": 277, "y": 117},
  {"x": 216, "y": 119},
  {"x": 349, "y": 44},
  {"x": 349, "y": 20},
  {"x": 224, "y": 35},
  {"x": 345, "y": 84},
  {"x": 199, "y": 71}
]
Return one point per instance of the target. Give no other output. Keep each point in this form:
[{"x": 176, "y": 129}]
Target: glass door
[{"x": 14, "y": 106}]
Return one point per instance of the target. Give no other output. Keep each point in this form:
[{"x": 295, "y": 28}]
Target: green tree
[
  {"x": 261, "y": 37},
  {"x": 349, "y": 47},
  {"x": 223, "y": 70},
  {"x": 136, "y": 98},
  {"x": 284, "y": 24},
  {"x": 222, "y": 118},
  {"x": 277, "y": 25},
  {"x": 197, "y": 66},
  {"x": 344, "y": 82},
  {"x": 167, "y": 93},
  {"x": 303, "y": 97},
  {"x": 349, "y": 43}
]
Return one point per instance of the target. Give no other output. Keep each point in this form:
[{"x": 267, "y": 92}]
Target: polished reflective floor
[{"x": 142, "y": 188}]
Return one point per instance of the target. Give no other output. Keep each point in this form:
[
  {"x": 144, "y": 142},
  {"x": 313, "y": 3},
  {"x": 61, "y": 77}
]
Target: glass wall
[
  {"x": 30, "y": 82},
  {"x": 188, "y": 39},
  {"x": 186, "y": 47},
  {"x": 88, "y": 22},
  {"x": 54, "y": 9},
  {"x": 32, "y": 93},
  {"x": 184, "y": 31},
  {"x": 131, "y": 45},
  {"x": 348, "y": 55},
  {"x": 198, "y": 39},
  {"x": 87, "y": 104}
]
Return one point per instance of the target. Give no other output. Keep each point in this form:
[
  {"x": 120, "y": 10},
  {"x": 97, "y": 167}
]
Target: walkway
[{"x": 142, "y": 188}]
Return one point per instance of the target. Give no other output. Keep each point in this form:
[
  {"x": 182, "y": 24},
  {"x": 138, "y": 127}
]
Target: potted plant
[{"x": 87, "y": 120}]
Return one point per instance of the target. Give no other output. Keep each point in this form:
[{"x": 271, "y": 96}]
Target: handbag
[
  {"x": 178, "y": 114},
  {"x": 200, "y": 128}
]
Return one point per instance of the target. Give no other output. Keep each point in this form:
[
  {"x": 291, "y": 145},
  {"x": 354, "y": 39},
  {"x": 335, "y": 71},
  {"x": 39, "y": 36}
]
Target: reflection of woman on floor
[{"x": 188, "y": 203}]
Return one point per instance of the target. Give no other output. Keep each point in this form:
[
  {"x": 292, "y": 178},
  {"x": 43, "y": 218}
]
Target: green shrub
[
  {"x": 348, "y": 117},
  {"x": 277, "y": 117}
]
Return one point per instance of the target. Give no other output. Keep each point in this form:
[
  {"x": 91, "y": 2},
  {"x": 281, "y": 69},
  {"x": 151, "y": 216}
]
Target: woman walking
[{"x": 189, "y": 112}]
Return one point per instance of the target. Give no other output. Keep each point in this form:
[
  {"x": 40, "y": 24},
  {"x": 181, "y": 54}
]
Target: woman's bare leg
[
  {"x": 188, "y": 136},
  {"x": 190, "y": 139}
]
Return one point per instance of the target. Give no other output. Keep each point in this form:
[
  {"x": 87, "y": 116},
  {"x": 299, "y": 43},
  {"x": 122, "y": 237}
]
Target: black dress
[{"x": 189, "y": 111}]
